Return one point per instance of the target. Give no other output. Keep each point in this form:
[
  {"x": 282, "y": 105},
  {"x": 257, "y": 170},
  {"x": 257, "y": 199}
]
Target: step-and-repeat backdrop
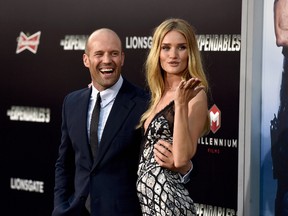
[{"x": 42, "y": 44}]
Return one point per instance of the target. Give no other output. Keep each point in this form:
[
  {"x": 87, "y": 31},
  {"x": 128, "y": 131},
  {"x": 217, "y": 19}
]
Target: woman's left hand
[{"x": 188, "y": 90}]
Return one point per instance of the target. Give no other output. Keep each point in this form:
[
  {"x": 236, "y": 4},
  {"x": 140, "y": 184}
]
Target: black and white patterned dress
[{"x": 160, "y": 190}]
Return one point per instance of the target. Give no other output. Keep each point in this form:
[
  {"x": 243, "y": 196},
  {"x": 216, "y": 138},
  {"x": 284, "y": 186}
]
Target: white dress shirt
[{"x": 107, "y": 100}]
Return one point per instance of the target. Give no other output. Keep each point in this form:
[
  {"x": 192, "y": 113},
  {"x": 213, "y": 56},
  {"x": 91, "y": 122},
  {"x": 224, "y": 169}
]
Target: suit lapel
[
  {"x": 82, "y": 121},
  {"x": 121, "y": 108}
]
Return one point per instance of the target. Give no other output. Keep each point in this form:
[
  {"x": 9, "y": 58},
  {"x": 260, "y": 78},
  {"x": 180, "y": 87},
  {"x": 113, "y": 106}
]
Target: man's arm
[
  {"x": 164, "y": 157},
  {"x": 281, "y": 22}
]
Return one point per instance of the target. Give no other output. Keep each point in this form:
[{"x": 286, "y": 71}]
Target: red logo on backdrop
[
  {"x": 215, "y": 118},
  {"x": 28, "y": 42}
]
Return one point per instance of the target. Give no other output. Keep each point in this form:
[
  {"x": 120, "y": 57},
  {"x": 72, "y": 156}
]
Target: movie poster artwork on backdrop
[{"x": 274, "y": 128}]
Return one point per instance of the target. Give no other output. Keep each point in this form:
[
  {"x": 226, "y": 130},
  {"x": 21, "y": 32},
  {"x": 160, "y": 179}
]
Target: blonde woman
[{"x": 177, "y": 116}]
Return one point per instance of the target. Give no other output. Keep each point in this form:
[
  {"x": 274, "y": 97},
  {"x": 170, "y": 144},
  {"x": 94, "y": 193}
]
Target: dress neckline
[{"x": 156, "y": 115}]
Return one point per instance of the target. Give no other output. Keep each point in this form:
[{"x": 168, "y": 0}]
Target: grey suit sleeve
[{"x": 186, "y": 178}]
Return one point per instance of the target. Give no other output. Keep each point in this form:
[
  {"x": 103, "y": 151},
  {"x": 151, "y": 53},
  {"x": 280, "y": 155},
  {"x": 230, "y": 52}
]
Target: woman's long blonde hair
[{"x": 154, "y": 72}]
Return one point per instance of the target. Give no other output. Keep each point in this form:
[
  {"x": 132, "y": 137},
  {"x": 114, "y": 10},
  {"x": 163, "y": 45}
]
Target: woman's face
[{"x": 174, "y": 53}]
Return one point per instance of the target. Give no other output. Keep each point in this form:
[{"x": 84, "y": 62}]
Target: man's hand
[{"x": 164, "y": 157}]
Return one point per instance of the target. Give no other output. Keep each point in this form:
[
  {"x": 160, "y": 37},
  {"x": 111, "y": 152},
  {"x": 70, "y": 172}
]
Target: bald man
[{"x": 279, "y": 125}]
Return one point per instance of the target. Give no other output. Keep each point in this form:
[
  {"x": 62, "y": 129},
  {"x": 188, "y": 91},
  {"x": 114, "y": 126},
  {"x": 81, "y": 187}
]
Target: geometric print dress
[{"x": 160, "y": 191}]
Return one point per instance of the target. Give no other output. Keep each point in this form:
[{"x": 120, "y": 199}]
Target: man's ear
[
  {"x": 123, "y": 58},
  {"x": 86, "y": 60}
]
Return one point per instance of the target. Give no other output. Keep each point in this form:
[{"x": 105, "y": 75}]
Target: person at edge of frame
[{"x": 279, "y": 125}]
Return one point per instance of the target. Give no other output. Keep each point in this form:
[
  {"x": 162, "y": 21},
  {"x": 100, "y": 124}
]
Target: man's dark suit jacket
[{"x": 112, "y": 177}]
